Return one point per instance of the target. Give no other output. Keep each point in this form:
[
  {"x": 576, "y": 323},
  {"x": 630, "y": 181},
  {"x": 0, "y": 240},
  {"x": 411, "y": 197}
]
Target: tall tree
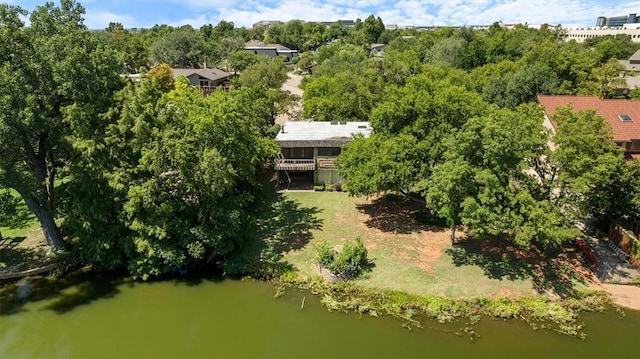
[
  {"x": 173, "y": 177},
  {"x": 182, "y": 48},
  {"x": 41, "y": 87}
]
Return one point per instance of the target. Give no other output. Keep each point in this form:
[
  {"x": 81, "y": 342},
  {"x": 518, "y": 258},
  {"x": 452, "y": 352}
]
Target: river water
[{"x": 102, "y": 316}]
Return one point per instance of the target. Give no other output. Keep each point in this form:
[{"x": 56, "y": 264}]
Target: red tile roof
[{"x": 609, "y": 109}]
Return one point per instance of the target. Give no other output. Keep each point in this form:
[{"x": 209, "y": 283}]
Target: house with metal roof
[
  {"x": 308, "y": 150},
  {"x": 623, "y": 116},
  {"x": 272, "y": 50}
]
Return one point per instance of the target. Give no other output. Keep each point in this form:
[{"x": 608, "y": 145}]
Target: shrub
[
  {"x": 351, "y": 262},
  {"x": 328, "y": 187},
  {"x": 318, "y": 188},
  {"x": 337, "y": 187},
  {"x": 325, "y": 254}
]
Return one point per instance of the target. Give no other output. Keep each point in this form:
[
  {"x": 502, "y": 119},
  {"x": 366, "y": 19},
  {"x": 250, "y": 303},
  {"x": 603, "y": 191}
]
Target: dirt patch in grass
[{"x": 397, "y": 221}]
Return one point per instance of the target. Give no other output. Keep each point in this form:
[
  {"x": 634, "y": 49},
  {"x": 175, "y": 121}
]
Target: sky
[{"x": 146, "y": 13}]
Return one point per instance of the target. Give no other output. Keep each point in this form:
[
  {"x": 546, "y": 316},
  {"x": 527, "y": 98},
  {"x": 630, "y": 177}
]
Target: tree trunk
[
  {"x": 49, "y": 226},
  {"x": 453, "y": 234}
]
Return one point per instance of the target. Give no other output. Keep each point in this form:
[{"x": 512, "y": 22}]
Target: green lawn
[
  {"x": 408, "y": 255},
  {"x": 23, "y": 240}
]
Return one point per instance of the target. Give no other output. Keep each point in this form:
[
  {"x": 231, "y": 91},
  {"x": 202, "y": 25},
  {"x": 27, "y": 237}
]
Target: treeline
[{"x": 154, "y": 177}]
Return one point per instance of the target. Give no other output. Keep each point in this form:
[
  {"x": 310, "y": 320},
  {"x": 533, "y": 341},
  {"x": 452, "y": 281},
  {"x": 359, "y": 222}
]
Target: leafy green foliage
[
  {"x": 325, "y": 254},
  {"x": 176, "y": 186},
  {"x": 179, "y": 49},
  {"x": 42, "y": 87},
  {"x": 350, "y": 262}
]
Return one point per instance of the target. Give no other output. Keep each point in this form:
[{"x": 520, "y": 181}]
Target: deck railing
[{"x": 296, "y": 164}]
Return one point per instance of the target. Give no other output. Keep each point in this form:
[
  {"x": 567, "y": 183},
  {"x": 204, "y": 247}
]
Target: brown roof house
[
  {"x": 623, "y": 116},
  {"x": 206, "y": 80},
  {"x": 308, "y": 150}
]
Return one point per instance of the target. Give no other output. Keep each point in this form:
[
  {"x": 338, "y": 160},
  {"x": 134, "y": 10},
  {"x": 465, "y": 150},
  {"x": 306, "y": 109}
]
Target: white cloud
[{"x": 100, "y": 20}]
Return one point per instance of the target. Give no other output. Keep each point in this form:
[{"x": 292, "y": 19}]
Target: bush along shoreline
[{"x": 539, "y": 311}]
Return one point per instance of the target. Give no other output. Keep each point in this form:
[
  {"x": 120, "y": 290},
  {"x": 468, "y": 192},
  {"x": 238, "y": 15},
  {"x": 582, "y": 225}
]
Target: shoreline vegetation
[{"x": 539, "y": 311}]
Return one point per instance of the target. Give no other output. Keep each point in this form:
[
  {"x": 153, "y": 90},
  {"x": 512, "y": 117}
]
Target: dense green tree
[
  {"x": 314, "y": 35},
  {"x": 585, "y": 163},
  {"x": 228, "y": 46},
  {"x": 262, "y": 82},
  {"x": 266, "y": 72},
  {"x": 607, "y": 47},
  {"x": 344, "y": 96},
  {"x": 607, "y": 79},
  {"x": 483, "y": 182},
  {"x": 173, "y": 180},
  {"x": 182, "y": 48},
  {"x": 240, "y": 60},
  {"x": 42, "y": 87},
  {"x": 409, "y": 124},
  {"x": 372, "y": 28},
  {"x": 344, "y": 85}
]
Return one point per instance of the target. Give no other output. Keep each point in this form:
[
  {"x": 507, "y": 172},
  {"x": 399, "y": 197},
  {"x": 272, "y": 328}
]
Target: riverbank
[
  {"x": 539, "y": 311},
  {"x": 625, "y": 296}
]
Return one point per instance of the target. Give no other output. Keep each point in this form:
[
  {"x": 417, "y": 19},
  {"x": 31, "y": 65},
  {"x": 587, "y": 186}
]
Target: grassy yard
[
  {"x": 410, "y": 255},
  {"x": 23, "y": 240}
]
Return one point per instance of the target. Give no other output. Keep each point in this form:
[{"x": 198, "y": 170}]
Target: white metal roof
[{"x": 320, "y": 131}]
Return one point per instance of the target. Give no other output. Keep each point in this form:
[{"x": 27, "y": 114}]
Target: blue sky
[{"x": 146, "y": 13}]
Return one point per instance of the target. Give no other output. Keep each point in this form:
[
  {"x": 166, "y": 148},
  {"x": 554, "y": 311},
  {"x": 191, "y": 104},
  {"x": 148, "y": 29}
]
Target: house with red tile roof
[{"x": 622, "y": 115}]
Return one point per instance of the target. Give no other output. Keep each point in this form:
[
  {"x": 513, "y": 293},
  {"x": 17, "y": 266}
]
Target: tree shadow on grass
[
  {"x": 11, "y": 254},
  {"x": 499, "y": 259},
  {"x": 398, "y": 214},
  {"x": 66, "y": 293},
  {"x": 281, "y": 225}
]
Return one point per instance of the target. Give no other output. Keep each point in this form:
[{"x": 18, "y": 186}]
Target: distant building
[
  {"x": 266, "y": 24},
  {"x": 617, "y": 21},
  {"x": 272, "y": 50},
  {"x": 377, "y": 50},
  {"x": 622, "y": 115},
  {"x": 633, "y": 64},
  {"x": 581, "y": 34},
  {"x": 308, "y": 150},
  {"x": 346, "y": 23}
]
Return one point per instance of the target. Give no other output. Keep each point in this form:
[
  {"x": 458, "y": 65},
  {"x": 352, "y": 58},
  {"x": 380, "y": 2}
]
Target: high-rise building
[{"x": 617, "y": 21}]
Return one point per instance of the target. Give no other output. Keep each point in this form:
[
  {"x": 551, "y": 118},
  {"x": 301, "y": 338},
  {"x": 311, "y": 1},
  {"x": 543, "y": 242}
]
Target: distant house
[
  {"x": 206, "y": 80},
  {"x": 622, "y": 115},
  {"x": 633, "y": 64},
  {"x": 272, "y": 50},
  {"x": 377, "y": 50},
  {"x": 266, "y": 24},
  {"x": 308, "y": 150}
]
